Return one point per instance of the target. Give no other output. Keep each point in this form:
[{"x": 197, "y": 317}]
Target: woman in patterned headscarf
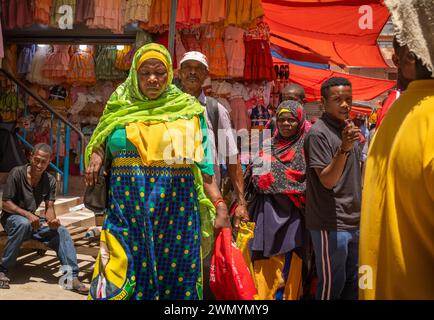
[
  {"x": 158, "y": 219},
  {"x": 278, "y": 177}
]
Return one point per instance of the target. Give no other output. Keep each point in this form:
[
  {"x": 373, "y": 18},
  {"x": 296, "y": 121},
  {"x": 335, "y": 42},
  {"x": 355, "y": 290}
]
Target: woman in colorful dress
[
  {"x": 278, "y": 178},
  {"x": 159, "y": 223}
]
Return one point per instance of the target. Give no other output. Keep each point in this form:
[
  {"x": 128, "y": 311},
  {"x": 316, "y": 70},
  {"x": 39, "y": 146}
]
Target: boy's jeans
[{"x": 19, "y": 229}]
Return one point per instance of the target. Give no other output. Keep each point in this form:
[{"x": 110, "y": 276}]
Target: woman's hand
[
  {"x": 222, "y": 219},
  {"x": 95, "y": 164},
  {"x": 241, "y": 215}
]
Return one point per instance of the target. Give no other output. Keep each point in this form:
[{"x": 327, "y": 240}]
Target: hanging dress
[
  {"x": 159, "y": 17},
  {"x": 108, "y": 15},
  {"x": 41, "y": 13},
  {"x": 213, "y": 49},
  {"x": 188, "y": 14},
  {"x": 105, "y": 64},
  {"x": 239, "y": 114},
  {"x": 24, "y": 63},
  {"x": 137, "y": 10},
  {"x": 17, "y": 14},
  {"x": 85, "y": 10},
  {"x": 235, "y": 51},
  {"x": 82, "y": 68},
  {"x": 258, "y": 61},
  {"x": 213, "y": 11},
  {"x": 39, "y": 59},
  {"x": 57, "y": 64}
]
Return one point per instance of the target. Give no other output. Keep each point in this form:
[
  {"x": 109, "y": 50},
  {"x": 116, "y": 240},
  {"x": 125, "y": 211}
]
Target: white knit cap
[
  {"x": 196, "y": 56},
  {"x": 414, "y": 23}
]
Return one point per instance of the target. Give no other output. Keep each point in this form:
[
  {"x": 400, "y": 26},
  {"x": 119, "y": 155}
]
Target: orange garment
[
  {"x": 108, "y": 15},
  {"x": 213, "y": 11},
  {"x": 188, "y": 14},
  {"x": 159, "y": 17},
  {"x": 213, "y": 48},
  {"x": 41, "y": 13},
  {"x": 269, "y": 277},
  {"x": 82, "y": 68}
]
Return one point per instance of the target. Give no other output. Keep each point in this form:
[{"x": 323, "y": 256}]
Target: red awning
[
  {"x": 311, "y": 79},
  {"x": 329, "y": 30},
  {"x": 360, "y": 111}
]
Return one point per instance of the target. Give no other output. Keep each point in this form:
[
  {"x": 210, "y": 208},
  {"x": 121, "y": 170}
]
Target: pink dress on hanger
[
  {"x": 239, "y": 115},
  {"x": 235, "y": 51},
  {"x": 108, "y": 15}
]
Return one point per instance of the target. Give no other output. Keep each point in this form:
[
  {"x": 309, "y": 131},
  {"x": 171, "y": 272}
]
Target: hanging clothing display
[
  {"x": 243, "y": 12},
  {"x": 235, "y": 51},
  {"x": 82, "y": 67},
  {"x": 55, "y": 15},
  {"x": 137, "y": 11},
  {"x": 124, "y": 58},
  {"x": 17, "y": 14},
  {"x": 258, "y": 60},
  {"x": 84, "y": 11},
  {"x": 57, "y": 64},
  {"x": 213, "y": 11},
  {"x": 25, "y": 58},
  {"x": 10, "y": 60},
  {"x": 191, "y": 39},
  {"x": 213, "y": 49},
  {"x": 239, "y": 114},
  {"x": 105, "y": 62},
  {"x": 188, "y": 14},
  {"x": 159, "y": 17},
  {"x": 41, "y": 12},
  {"x": 35, "y": 75},
  {"x": 108, "y": 15}
]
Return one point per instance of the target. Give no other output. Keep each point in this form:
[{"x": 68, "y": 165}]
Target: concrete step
[
  {"x": 80, "y": 217},
  {"x": 61, "y": 205}
]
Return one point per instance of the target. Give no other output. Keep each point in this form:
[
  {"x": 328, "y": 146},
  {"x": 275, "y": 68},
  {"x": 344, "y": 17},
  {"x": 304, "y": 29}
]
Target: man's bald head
[{"x": 293, "y": 92}]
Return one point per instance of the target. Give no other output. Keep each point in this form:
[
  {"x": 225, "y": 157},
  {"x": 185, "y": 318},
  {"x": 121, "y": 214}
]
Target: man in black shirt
[
  {"x": 333, "y": 193},
  {"x": 27, "y": 186}
]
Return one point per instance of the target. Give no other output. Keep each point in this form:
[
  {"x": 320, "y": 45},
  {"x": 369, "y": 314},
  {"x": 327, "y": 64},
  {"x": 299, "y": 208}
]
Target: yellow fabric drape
[
  {"x": 269, "y": 277},
  {"x": 173, "y": 142}
]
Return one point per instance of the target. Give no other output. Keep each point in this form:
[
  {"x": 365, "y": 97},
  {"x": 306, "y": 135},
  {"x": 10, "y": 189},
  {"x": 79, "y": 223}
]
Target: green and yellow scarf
[{"x": 128, "y": 104}]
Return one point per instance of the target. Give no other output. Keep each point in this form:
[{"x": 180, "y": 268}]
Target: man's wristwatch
[{"x": 342, "y": 151}]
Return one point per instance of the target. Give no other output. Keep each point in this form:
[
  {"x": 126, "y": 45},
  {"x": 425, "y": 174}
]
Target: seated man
[{"x": 27, "y": 186}]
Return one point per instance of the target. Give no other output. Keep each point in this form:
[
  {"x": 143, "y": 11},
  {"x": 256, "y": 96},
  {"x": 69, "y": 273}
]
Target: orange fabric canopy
[
  {"x": 331, "y": 31},
  {"x": 311, "y": 80}
]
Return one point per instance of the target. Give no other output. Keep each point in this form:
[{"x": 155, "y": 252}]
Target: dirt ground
[{"x": 37, "y": 278}]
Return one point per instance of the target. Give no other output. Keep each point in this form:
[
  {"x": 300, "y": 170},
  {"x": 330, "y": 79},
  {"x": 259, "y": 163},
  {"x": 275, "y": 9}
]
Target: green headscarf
[{"x": 128, "y": 104}]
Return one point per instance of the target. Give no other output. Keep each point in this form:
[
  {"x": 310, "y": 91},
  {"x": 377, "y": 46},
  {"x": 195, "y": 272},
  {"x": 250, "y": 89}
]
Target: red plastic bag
[{"x": 230, "y": 278}]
